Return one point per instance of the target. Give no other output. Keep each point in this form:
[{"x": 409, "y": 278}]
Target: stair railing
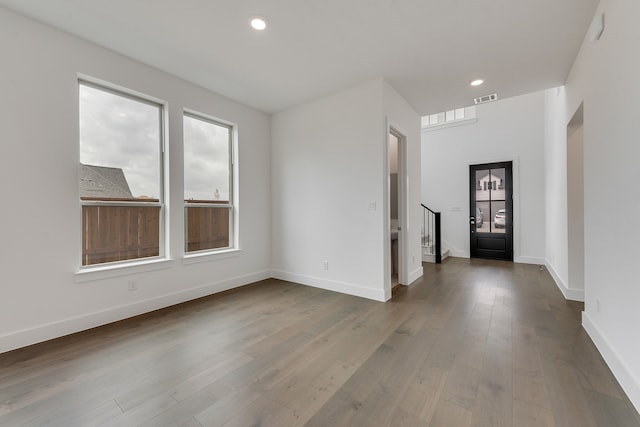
[{"x": 431, "y": 232}]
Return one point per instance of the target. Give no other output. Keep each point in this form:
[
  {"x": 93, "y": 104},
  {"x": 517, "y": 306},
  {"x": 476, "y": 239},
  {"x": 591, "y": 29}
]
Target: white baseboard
[
  {"x": 529, "y": 260},
  {"x": 72, "y": 325},
  {"x": 569, "y": 293},
  {"x": 455, "y": 252},
  {"x": 428, "y": 257},
  {"x": 459, "y": 254},
  {"x": 331, "y": 285},
  {"x": 629, "y": 383},
  {"x": 416, "y": 274}
]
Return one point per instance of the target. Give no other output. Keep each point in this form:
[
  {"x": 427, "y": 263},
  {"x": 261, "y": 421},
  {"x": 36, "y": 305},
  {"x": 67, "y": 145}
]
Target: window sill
[
  {"x": 198, "y": 257},
  {"x": 98, "y": 272}
]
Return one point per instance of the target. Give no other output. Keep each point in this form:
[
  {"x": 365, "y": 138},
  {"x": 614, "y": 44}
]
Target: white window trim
[
  {"x": 234, "y": 228},
  {"x": 117, "y": 268},
  {"x": 121, "y": 268},
  {"x": 198, "y": 257}
]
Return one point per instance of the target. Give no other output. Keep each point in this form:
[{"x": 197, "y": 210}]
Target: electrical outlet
[
  {"x": 413, "y": 259},
  {"x": 132, "y": 285},
  {"x": 597, "y": 305},
  {"x": 325, "y": 265}
]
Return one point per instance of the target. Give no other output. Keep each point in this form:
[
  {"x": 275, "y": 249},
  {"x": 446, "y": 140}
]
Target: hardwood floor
[{"x": 474, "y": 343}]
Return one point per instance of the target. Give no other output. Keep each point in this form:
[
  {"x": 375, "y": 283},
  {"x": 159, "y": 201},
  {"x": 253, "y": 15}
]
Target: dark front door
[{"x": 490, "y": 219}]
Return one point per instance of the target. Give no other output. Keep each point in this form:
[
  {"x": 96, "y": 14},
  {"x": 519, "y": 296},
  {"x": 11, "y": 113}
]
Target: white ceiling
[{"x": 428, "y": 50}]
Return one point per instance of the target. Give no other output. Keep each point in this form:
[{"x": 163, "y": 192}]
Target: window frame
[
  {"x": 163, "y": 232},
  {"x": 232, "y": 202}
]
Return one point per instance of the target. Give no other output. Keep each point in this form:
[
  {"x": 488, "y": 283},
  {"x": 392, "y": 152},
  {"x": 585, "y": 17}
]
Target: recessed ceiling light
[
  {"x": 258, "y": 23},
  {"x": 476, "y": 82}
]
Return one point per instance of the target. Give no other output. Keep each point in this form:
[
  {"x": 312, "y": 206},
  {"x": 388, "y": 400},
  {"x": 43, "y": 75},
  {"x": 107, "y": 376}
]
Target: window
[
  {"x": 208, "y": 184},
  {"x": 447, "y": 118},
  {"x": 121, "y": 176}
]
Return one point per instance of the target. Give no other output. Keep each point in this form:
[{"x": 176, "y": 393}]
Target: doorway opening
[
  {"x": 491, "y": 210},
  {"x": 575, "y": 199},
  {"x": 397, "y": 198}
]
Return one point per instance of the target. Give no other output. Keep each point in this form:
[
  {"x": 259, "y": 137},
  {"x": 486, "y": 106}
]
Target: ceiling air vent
[{"x": 485, "y": 98}]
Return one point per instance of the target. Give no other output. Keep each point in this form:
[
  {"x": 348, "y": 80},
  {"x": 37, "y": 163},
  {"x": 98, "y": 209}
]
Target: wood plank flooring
[{"x": 473, "y": 343}]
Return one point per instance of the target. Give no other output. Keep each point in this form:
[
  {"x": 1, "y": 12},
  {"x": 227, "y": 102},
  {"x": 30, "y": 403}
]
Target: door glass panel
[
  {"x": 482, "y": 191},
  {"x": 498, "y": 210},
  {"x": 498, "y": 217},
  {"x": 483, "y": 219},
  {"x": 490, "y": 200}
]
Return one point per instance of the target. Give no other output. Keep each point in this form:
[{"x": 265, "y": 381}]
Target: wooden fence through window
[
  {"x": 118, "y": 233},
  {"x": 207, "y": 226}
]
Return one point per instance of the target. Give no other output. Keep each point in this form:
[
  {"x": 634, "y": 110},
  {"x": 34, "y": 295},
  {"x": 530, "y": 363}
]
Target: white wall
[
  {"x": 401, "y": 117},
  {"x": 40, "y": 216},
  {"x": 555, "y": 162},
  {"x": 604, "y": 76},
  {"x": 575, "y": 201},
  {"x": 329, "y": 166},
  {"x": 507, "y": 130}
]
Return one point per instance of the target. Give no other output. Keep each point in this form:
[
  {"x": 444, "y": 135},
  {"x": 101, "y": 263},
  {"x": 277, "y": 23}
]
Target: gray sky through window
[
  {"x": 206, "y": 160},
  {"x": 119, "y": 132}
]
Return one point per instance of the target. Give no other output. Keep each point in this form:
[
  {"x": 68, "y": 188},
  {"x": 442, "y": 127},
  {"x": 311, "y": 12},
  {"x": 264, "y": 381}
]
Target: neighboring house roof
[
  {"x": 103, "y": 182},
  {"x": 495, "y": 173}
]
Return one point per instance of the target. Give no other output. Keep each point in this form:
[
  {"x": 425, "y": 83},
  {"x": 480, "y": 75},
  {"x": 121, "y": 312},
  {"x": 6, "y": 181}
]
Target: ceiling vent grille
[{"x": 485, "y": 98}]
